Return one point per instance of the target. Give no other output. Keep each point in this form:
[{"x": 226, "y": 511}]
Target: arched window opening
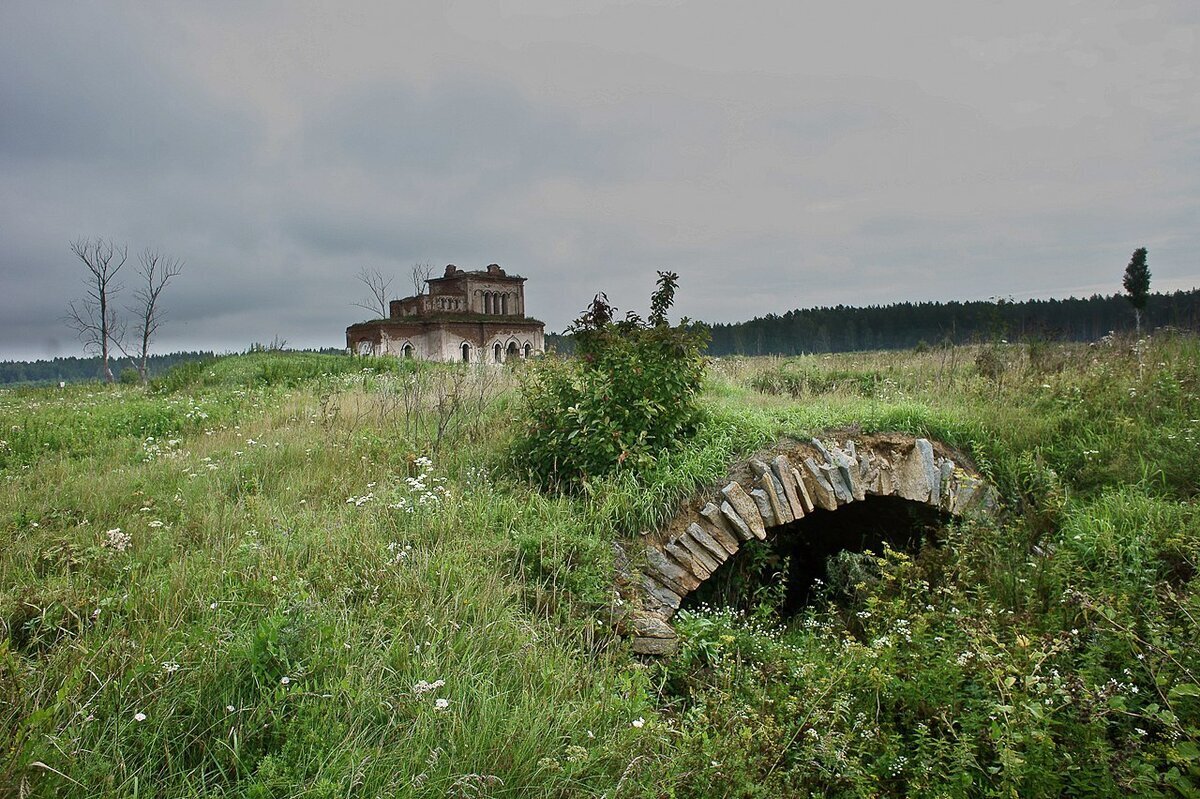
[
  {"x": 528, "y": 350},
  {"x": 512, "y": 350},
  {"x": 408, "y": 350},
  {"x": 504, "y": 304},
  {"x": 498, "y": 353},
  {"x": 466, "y": 352},
  {"x": 820, "y": 557}
]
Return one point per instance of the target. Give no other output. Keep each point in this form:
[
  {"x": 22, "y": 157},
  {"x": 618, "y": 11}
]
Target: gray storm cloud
[{"x": 776, "y": 157}]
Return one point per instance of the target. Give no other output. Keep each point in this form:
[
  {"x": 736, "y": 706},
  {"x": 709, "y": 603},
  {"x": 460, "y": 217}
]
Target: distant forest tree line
[
  {"x": 837, "y": 329},
  {"x": 74, "y": 370},
  {"x": 77, "y": 370},
  {"x": 904, "y": 325}
]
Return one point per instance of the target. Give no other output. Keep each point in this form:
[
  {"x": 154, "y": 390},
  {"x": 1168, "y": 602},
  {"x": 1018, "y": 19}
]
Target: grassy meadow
[{"x": 279, "y": 575}]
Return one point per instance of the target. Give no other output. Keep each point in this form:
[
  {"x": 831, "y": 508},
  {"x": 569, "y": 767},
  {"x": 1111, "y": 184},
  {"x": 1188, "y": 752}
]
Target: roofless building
[{"x": 473, "y": 316}]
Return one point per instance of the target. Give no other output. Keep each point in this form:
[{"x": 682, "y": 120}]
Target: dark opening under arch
[
  {"x": 797, "y": 555},
  {"x": 466, "y": 352}
]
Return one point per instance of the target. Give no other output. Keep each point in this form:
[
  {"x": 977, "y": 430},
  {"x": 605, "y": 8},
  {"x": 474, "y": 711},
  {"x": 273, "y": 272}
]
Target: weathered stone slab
[
  {"x": 769, "y": 483},
  {"x": 684, "y": 557},
  {"x": 736, "y": 521},
  {"x": 654, "y": 646},
  {"x": 712, "y": 511},
  {"x": 777, "y": 499},
  {"x": 822, "y": 491},
  {"x": 720, "y": 528},
  {"x": 648, "y": 625},
  {"x": 916, "y": 475},
  {"x": 847, "y": 469},
  {"x": 764, "y": 507},
  {"x": 699, "y": 553},
  {"x": 670, "y": 574},
  {"x": 708, "y": 542},
  {"x": 782, "y": 468},
  {"x": 833, "y": 476},
  {"x": 947, "y": 476},
  {"x": 657, "y": 593},
  {"x": 887, "y": 479},
  {"x": 809, "y": 507},
  {"x": 969, "y": 496},
  {"x": 744, "y": 505}
]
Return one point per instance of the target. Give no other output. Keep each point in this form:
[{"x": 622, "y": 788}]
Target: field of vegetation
[{"x": 278, "y": 575}]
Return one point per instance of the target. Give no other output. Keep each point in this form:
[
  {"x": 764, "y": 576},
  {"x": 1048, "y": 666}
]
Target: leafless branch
[
  {"x": 377, "y": 285},
  {"x": 420, "y": 273},
  {"x": 94, "y": 317},
  {"x": 155, "y": 271}
]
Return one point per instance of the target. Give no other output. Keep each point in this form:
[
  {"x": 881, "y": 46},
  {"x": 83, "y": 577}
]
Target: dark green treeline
[{"x": 904, "y": 325}]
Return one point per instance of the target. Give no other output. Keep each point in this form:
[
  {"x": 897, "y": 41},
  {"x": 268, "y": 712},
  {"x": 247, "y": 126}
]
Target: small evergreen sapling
[{"x": 1137, "y": 284}]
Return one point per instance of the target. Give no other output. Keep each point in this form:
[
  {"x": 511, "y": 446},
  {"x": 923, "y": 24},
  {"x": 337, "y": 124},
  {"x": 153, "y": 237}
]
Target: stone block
[
  {"x": 782, "y": 468},
  {"x": 687, "y": 560},
  {"x": 833, "y": 476},
  {"x": 916, "y": 475},
  {"x": 699, "y": 553},
  {"x": 658, "y": 593},
  {"x": 648, "y": 625},
  {"x": 778, "y": 500},
  {"x": 764, "y": 507},
  {"x": 847, "y": 470},
  {"x": 775, "y": 492},
  {"x": 822, "y": 491},
  {"x": 946, "y": 479},
  {"x": 670, "y": 573},
  {"x": 654, "y": 646},
  {"x": 802, "y": 490},
  {"x": 719, "y": 528},
  {"x": 708, "y": 542},
  {"x": 738, "y": 523},
  {"x": 712, "y": 514},
  {"x": 745, "y": 507}
]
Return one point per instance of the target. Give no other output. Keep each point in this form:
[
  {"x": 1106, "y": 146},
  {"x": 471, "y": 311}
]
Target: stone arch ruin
[{"x": 791, "y": 482}]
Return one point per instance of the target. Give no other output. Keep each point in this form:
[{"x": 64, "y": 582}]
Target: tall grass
[{"x": 279, "y": 597}]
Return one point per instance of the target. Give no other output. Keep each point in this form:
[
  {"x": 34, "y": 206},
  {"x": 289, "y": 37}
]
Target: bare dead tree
[
  {"x": 377, "y": 285},
  {"x": 155, "y": 270},
  {"x": 94, "y": 318},
  {"x": 420, "y": 273}
]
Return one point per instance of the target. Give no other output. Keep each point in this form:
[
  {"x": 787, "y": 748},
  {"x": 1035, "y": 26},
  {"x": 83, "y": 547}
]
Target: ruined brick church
[{"x": 473, "y": 316}]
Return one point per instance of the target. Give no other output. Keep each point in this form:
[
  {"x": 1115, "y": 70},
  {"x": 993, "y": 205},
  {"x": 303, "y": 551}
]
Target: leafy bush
[{"x": 628, "y": 396}]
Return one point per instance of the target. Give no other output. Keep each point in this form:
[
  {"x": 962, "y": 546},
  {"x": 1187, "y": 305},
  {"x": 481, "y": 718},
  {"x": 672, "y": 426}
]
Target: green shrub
[{"x": 627, "y": 397}]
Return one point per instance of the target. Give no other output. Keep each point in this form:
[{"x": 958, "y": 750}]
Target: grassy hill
[{"x": 282, "y": 575}]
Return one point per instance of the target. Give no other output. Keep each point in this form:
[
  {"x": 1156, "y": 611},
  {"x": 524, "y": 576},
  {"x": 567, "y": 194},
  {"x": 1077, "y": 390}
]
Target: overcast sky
[{"x": 776, "y": 156}]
